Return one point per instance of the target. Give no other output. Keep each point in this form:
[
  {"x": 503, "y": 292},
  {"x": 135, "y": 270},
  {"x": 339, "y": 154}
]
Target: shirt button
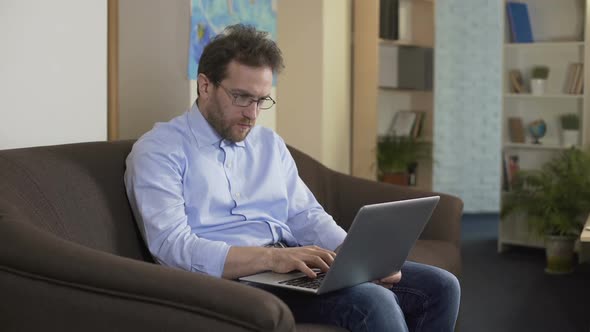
[
  {"x": 238, "y": 195},
  {"x": 229, "y": 165}
]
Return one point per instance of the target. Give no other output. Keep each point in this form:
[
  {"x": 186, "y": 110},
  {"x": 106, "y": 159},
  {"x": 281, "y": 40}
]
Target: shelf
[
  {"x": 553, "y": 44},
  {"x": 390, "y": 42},
  {"x": 401, "y": 90},
  {"x": 531, "y": 146},
  {"x": 547, "y": 96}
]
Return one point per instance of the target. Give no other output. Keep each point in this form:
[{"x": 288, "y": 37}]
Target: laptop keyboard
[{"x": 306, "y": 282}]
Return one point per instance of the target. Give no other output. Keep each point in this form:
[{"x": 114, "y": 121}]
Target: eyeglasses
[{"x": 244, "y": 100}]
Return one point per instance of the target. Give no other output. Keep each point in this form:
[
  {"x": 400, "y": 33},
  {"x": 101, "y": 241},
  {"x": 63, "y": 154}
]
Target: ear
[{"x": 204, "y": 85}]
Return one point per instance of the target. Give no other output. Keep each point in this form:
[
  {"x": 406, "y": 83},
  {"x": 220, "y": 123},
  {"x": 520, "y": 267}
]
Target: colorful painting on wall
[{"x": 210, "y": 17}]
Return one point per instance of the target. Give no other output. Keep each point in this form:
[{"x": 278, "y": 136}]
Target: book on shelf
[
  {"x": 516, "y": 81},
  {"x": 570, "y": 76},
  {"x": 575, "y": 78},
  {"x": 580, "y": 82},
  {"x": 389, "y": 19},
  {"x": 516, "y": 130},
  {"x": 519, "y": 21},
  {"x": 511, "y": 167},
  {"x": 504, "y": 175}
]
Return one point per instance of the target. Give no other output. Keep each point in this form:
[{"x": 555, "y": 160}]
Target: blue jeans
[{"x": 426, "y": 299}]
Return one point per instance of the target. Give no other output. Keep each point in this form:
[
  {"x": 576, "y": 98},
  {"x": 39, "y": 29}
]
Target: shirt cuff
[
  {"x": 333, "y": 238},
  {"x": 209, "y": 257}
]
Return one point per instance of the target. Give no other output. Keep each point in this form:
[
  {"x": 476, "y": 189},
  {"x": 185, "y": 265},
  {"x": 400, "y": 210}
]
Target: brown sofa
[{"x": 72, "y": 258}]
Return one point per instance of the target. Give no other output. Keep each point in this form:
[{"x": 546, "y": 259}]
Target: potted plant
[
  {"x": 570, "y": 126},
  {"x": 538, "y": 79},
  {"x": 556, "y": 201},
  {"x": 397, "y": 157}
]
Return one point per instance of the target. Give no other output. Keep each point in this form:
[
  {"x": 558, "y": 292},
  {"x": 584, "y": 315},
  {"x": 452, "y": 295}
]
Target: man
[{"x": 214, "y": 194}]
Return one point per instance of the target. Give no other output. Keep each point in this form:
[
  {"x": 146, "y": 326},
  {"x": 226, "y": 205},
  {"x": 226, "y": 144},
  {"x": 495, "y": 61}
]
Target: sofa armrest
[
  {"x": 352, "y": 193},
  {"x": 50, "y": 283}
]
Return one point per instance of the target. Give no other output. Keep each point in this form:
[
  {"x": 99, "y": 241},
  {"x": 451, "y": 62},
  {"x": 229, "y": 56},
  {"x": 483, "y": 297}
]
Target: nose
[{"x": 251, "y": 112}]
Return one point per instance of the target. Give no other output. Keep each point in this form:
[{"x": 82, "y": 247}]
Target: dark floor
[{"x": 510, "y": 291}]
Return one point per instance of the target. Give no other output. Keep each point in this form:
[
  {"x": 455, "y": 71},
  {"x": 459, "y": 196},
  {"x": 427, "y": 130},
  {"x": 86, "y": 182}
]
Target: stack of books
[{"x": 574, "y": 82}]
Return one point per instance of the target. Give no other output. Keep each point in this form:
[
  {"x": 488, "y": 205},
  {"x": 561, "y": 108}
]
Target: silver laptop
[{"x": 377, "y": 245}]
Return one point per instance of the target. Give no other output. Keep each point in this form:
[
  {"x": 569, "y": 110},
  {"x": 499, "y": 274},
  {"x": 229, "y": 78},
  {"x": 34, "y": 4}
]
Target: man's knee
[
  {"x": 370, "y": 296},
  {"x": 449, "y": 284},
  {"x": 379, "y": 307}
]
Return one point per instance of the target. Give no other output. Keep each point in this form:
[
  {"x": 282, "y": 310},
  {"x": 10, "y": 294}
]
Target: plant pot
[
  {"x": 399, "y": 178},
  {"x": 560, "y": 254},
  {"x": 569, "y": 137},
  {"x": 538, "y": 86}
]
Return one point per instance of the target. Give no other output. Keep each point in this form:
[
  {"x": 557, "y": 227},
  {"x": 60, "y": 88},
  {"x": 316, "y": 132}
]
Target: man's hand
[
  {"x": 390, "y": 281},
  {"x": 285, "y": 260},
  {"x": 243, "y": 261}
]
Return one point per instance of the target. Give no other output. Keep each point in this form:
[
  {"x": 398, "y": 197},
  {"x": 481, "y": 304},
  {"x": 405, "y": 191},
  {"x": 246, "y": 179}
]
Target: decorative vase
[
  {"x": 538, "y": 86},
  {"x": 399, "y": 178},
  {"x": 560, "y": 254},
  {"x": 569, "y": 137}
]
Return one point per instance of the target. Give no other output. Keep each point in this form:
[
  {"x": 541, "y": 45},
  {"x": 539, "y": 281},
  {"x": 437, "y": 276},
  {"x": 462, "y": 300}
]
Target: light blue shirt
[{"x": 195, "y": 194}]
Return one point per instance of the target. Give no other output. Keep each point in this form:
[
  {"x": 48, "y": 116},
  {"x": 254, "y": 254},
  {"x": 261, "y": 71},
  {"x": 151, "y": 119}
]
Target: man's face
[{"x": 234, "y": 122}]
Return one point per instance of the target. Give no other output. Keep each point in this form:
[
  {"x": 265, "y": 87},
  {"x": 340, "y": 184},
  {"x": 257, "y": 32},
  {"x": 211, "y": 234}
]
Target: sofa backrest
[
  {"x": 77, "y": 192},
  {"x": 74, "y": 191}
]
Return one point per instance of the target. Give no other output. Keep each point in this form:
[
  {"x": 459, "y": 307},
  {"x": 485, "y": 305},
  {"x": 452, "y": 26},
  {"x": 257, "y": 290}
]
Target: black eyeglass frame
[{"x": 248, "y": 100}]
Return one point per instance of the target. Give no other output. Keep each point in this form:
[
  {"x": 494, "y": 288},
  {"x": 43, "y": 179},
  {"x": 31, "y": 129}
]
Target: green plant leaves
[
  {"x": 397, "y": 153},
  {"x": 555, "y": 198}
]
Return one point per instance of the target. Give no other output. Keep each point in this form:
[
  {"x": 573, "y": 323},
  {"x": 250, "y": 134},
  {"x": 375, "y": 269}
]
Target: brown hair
[{"x": 244, "y": 44}]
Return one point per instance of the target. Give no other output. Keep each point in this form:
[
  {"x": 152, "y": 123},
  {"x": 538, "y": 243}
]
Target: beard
[{"x": 227, "y": 129}]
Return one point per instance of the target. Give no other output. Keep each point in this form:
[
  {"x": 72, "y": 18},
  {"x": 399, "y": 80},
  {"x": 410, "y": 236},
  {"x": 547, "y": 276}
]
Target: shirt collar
[{"x": 204, "y": 133}]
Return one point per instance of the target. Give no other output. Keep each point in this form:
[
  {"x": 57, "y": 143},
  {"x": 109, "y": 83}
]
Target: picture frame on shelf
[
  {"x": 407, "y": 124},
  {"x": 402, "y": 123}
]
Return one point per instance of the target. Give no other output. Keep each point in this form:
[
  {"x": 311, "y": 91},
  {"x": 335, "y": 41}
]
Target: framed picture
[
  {"x": 406, "y": 123},
  {"x": 402, "y": 123}
]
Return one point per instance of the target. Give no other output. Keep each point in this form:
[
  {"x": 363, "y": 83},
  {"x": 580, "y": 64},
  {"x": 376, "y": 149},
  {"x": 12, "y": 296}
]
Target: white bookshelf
[
  {"x": 545, "y": 96},
  {"x": 558, "y": 29}
]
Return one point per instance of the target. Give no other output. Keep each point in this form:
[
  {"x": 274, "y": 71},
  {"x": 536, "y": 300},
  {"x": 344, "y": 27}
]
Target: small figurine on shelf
[
  {"x": 539, "y": 79},
  {"x": 537, "y": 129}
]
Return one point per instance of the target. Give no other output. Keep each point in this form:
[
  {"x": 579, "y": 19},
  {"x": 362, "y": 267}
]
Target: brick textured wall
[{"x": 468, "y": 99}]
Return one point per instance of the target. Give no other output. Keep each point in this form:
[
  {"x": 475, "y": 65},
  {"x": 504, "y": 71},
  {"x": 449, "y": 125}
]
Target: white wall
[
  {"x": 468, "y": 102},
  {"x": 53, "y": 72}
]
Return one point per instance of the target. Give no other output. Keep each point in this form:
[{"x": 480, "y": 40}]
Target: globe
[{"x": 537, "y": 128}]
